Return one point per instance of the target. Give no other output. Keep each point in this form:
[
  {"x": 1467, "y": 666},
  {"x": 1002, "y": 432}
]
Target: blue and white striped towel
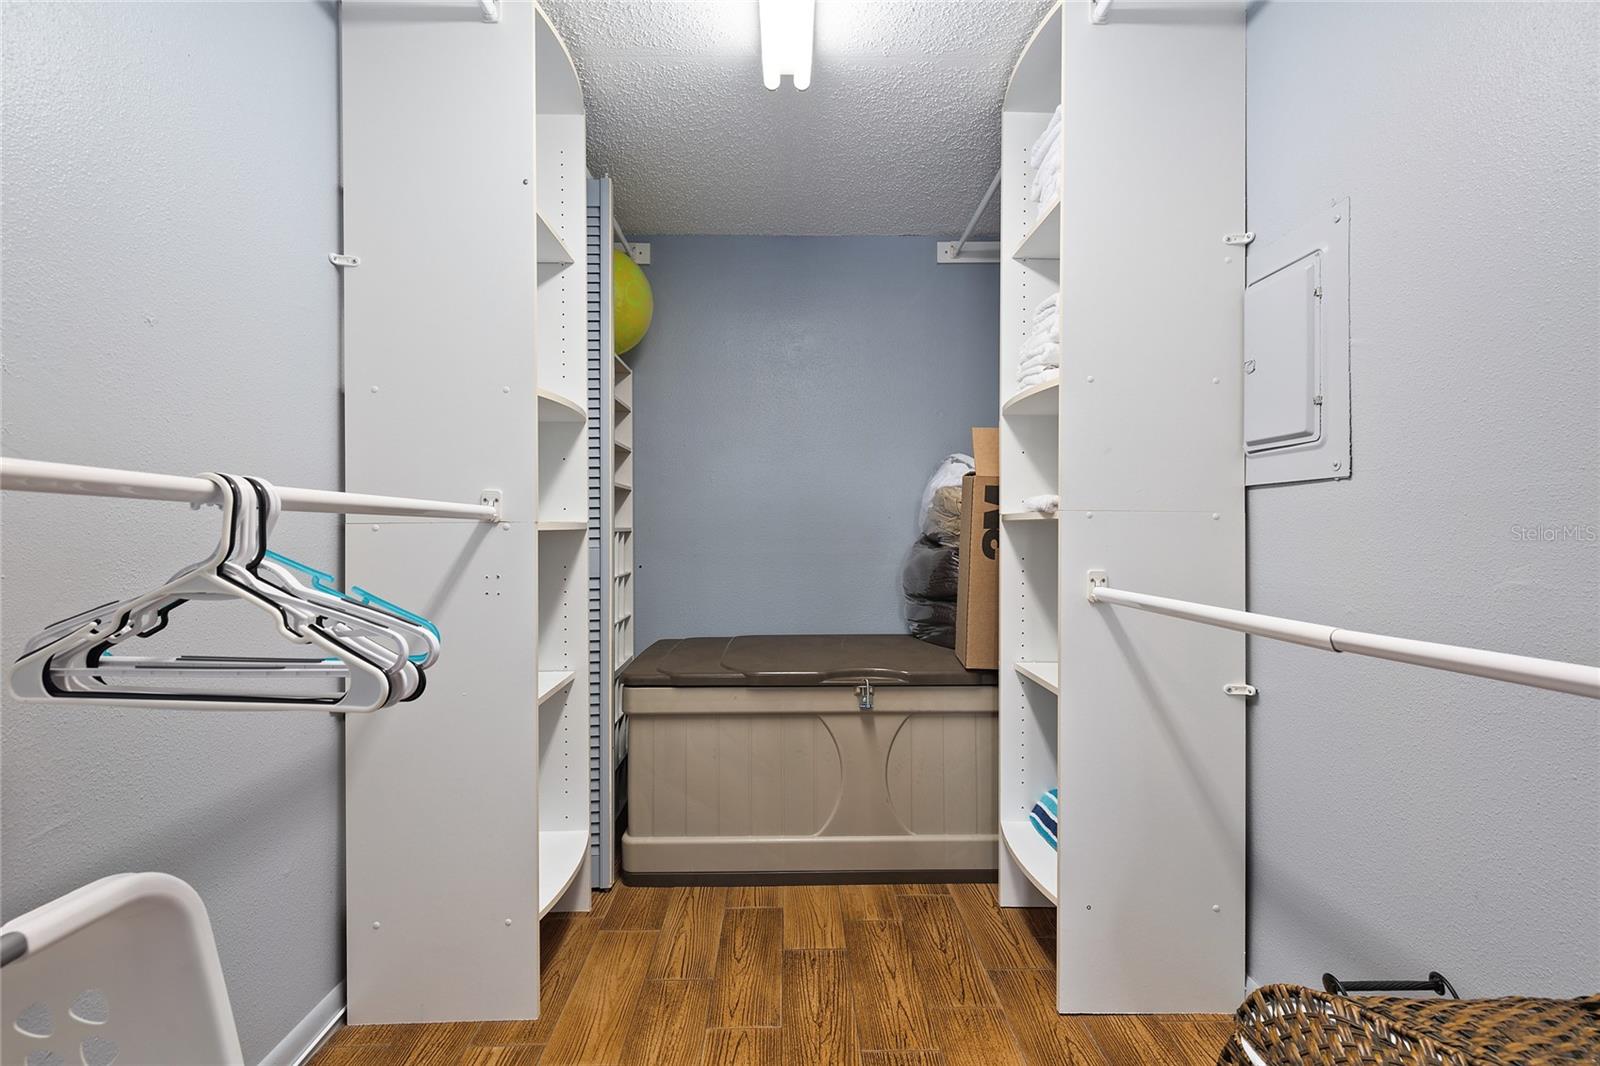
[{"x": 1044, "y": 814}]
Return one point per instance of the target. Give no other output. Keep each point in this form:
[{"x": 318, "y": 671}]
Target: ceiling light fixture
[{"x": 787, "y": 32}]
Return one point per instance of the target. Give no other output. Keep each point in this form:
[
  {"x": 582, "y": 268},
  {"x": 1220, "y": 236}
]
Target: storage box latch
[{"x": 864, "y": 695}]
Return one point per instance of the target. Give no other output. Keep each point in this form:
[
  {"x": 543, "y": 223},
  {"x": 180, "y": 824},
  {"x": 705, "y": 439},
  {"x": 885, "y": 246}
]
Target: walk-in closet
[{"x": 799, "y": 533}]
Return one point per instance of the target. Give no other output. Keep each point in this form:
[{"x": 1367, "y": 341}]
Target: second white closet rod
[
  {"x": 1576, "y": 678},
  {"x": 32, "y": 475}
]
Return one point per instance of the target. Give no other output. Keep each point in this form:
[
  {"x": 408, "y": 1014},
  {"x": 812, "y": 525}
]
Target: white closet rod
[
  {"x": 1575, "y": 678},
  {"x": 622, "y": 239},
  {"x": 972, "y": 223},
  {"x": 31, "y": 475}
]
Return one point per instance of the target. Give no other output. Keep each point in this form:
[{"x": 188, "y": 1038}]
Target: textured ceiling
[{"x": 899, "y": 132}]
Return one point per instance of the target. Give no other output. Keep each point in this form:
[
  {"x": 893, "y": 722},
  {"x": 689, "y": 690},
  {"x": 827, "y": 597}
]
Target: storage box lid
[{"x": 883, "y": 659}]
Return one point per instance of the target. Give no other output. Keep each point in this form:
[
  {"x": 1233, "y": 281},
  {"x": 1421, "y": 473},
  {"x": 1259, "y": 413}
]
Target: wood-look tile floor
[{"x": 809, "y": 975}]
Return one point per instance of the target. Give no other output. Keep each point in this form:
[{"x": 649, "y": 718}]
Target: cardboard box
[{"x": 978, "y": 588}]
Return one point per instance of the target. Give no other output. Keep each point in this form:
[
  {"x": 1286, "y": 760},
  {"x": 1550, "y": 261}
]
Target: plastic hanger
[
  {"x": 72, "y": 659},
  {"x": 255, "y": 513},
  {"x": 421, "y": 636}
]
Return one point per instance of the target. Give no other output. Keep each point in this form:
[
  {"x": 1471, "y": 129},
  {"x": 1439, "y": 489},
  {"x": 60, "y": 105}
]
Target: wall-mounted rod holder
[
  {"x": 1575, "y": 678},
  {"x": 31, "y": 475}
]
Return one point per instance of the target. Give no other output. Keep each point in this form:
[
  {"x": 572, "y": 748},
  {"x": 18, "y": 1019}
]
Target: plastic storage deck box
[{"x": 800, "y": 757}]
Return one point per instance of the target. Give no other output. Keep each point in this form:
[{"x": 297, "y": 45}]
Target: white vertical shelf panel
[
  {"x": 1152, "y": 752},
  {"x": 436, "y": 141},
  {"x": 563, "y": 360},
  {"x": 411, "y": 829},
  {"x": 437, "y": 155}
]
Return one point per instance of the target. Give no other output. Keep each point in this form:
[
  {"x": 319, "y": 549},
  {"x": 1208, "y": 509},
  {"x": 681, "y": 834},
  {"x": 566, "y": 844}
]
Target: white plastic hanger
[{"x": 364, "y": 665}]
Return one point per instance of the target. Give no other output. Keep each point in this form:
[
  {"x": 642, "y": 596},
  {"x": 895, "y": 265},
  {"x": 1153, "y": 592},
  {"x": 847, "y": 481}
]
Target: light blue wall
[
  {"x": 1401, "y": 819},
  {"x": 794, "y": 394},
  {"x": 170, "y": 199}
]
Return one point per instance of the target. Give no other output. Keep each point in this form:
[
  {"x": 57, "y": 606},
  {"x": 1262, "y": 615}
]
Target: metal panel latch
[
  {"x": 1239, "y": 688},
  {"x": 864, "y": 695}
]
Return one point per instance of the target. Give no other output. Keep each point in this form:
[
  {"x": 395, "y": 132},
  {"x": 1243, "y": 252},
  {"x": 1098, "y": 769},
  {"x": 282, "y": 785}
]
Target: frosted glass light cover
[{"x": 787, "y": 34}]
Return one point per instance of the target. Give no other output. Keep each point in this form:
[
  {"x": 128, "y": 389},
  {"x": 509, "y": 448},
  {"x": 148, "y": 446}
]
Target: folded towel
[
  {"x": 1045, "y": 815},
  {"x": 1048, "y": 504},
  {"x": 1046, "y": 151},
  {"x": 1048, "y": 329},
  {"x": 1039, "y": 377},
  {"x": 1035, "y": 356},
  {"x": 1045, "y": 186},
  {"x": 1047, "y": 366},
  {"x": 1041, "y": 143},
  {"x": 1046, "y": 307},
  {"x": 1038, "y": 347}
]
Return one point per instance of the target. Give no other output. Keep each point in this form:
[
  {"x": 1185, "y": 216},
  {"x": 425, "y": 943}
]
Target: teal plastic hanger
[{"x": 329, "y": 584}]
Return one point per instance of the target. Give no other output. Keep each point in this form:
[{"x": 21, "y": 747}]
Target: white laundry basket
[{"x": 123, "y": 970}]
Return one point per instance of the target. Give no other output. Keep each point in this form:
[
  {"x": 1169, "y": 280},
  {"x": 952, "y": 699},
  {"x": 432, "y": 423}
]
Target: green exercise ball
[{"x": 631, "y": 301}]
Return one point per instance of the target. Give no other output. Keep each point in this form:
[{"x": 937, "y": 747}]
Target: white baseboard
[{"x": 309, "y": 1032}]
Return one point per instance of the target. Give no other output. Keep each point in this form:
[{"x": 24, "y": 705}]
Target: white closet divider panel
[
  {"x": 1151, "y": 750},
  {"x": 436, "y": 142},
  {"x": 440, "y": 401}
]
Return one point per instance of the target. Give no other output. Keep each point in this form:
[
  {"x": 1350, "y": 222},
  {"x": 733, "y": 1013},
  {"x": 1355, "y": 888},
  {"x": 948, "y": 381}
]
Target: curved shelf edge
[
  {"x": 1043, "y": 239},
  {"x": 561, "y": 855},
  {"x": 1035, "y": 82},
  {"x": 1040, "y": 399},
  {"x": 553, "y": 681},
  {"x": 554, "y": 407},
  {"x": 1036, "y": 858},
  {"x": 551, "y": 248},
  {"x": 1046, "y": 675}
]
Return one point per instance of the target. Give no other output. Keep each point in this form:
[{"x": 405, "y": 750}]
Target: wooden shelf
[
  {"x": 562, "y": 527},
  {"x": 1045, "y": 675},
  {"x": 553, "y": 681},
  {"x": 556, "y": 408},
  {"x": 1023, "y": 842},
  {"x": 1043, "y": 239},
  {"x": 1027, "y": 516},
  {"x": 551, "y": 248},
  {"x": 561, "y": 855},
  {"x": 1040, "y": 399}
]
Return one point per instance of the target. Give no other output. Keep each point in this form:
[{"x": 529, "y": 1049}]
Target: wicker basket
[{"x": 1287, "y": 1025}]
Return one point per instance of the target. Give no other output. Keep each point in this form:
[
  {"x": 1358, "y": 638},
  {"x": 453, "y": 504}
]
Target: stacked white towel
[
  {"x": 1040, "y": 358},
  {"x": 1045, "y": 158},
  {"x": 1046, "y": 504}
]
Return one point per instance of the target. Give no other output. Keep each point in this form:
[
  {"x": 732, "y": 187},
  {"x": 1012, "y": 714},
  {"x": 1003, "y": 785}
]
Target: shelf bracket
[
  {"x": 1097, "y": 580},
  {"x": 491, "y": 498},
  {"x": 1239, "y": 238},
  {"x": 1239, "y": 688},
  {"x": 339, "y": 259}
]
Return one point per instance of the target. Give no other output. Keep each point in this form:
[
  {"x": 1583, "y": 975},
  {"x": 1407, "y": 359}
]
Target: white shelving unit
[
  {"x": 465, "y": 367},
  {"x": 1029, "y": 430},
  {"x": 611, "y": 400},
  {"x": 564, "y": 437},
  {"x": 1140, "y": 438},
  {"x": 1033, "y": 857}
]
